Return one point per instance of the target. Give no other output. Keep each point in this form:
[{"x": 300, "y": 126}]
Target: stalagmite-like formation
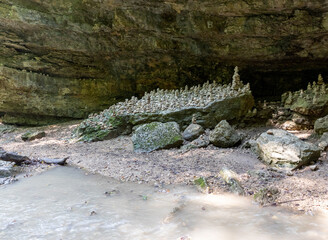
[
  {"x": 312, "y": 102},
  {"x": 211, "y": 102},
  {"x": 173, "y": 100}
]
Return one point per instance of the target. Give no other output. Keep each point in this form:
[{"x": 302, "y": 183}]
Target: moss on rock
[{"x": 155, "y": 136}]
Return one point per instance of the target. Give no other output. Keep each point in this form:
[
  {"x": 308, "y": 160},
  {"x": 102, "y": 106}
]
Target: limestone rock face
[
  {"x": 70, "y": 58},
  {"x": 155, "y": 136},
  {"x": 224, "y": 135},
  {"x": 321, "y": 125},
  {"x": 282, "y": 149}
]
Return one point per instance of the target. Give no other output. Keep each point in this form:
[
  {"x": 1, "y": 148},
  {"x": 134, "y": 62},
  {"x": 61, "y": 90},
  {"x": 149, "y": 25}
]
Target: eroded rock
[
  {"x": 192, "y": 132},
  {"x": 323, "y": 141},
  {"x": 232, "y": 179},
  {"x": 282, "y": 149},
  {"x": 321, "y": 125},
  {"x": 30, "y": 136},
  {"x": 312, "y": 102},
  {"x": 71, "y": 58},
  {"x": 209, "y": 103},
  {"x": 155, "y": 136},
  {"x": 223, "y": 135}
]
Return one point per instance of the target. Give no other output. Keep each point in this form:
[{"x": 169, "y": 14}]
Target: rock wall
[{"x": 69, "y": 58}]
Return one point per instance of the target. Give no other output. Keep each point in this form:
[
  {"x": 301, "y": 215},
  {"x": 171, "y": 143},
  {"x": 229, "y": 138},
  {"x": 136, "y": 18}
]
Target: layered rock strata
[{"x": 70, "y": 58}]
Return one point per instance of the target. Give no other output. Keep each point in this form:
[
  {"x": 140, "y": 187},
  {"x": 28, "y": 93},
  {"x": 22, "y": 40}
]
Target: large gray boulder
[
  {"x": 282, "y": 149},
  {"x": 192, "y": 132},
  {"x": 155, "y": 136},
  {"x": 321, "y": 125},
  {"x": 224, "y": 135}
]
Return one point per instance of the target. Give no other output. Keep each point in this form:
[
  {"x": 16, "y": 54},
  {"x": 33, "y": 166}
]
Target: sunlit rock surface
[{"x": 280, "y": 148}]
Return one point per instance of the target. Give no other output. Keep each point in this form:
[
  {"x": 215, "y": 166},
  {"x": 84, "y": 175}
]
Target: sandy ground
[{"x": 306, "y": 191}]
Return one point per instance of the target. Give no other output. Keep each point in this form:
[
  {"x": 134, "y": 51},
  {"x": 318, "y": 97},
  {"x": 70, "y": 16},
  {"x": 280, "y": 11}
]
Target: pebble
[
  {"x": 289, "y": 173},
  {"x": 314, "y": 167}
]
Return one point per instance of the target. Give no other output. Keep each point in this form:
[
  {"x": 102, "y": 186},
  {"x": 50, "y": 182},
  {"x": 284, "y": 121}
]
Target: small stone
[
  {"x": 5, "y": 172},
  {"x": 270, "y": 132},
  {"x": 192, "y": 132},
  {"x": 30, "y": 136},
  {"x": 323, "y": 142},
  {"x": 289, "y": 173},
  {"x": 314, "y": 167}
]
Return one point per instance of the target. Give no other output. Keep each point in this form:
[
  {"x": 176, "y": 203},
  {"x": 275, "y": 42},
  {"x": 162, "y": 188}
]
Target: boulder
[
  {"x": 282, "y": 149},
  {"x": 321, "y": 125},
  {"x": 6, "y": 169},
  {"x": 224, "y": 135},
  {"x": 30, "y": 136},
  {"x": 201, "y": 142},
  {"x": 323, "y": 142},
  {"x": 192, "y": 132},
  {"x": 102, "y": 127},
  {"x": 156, "y": 135}
]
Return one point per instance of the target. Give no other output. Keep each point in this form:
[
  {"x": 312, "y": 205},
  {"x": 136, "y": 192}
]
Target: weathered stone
[
  {"x": 155, "y": 136},
  {"x": 323, "y": 142},
  {"x": 201, "y": 184},
  {"x": 209, "y": 103},
  {"x": 250, "y": 144},
  {"x": 102, "y": 127},
  {"x": 267, "y": 195},
  {"x": 71, "y": 58},
  {"x": 321, "y": 125},
  {"x": 30, "y": 136},
  {"x": 201, "y": 142},
  {"x": 6, "y": 129},
  {"x": 312, "y": 102},
  {"x": 290, "y": 125},
  {"x": 314, "y": 167},
  {"x": 230, "y": 109},
  {"x": 5, "y": 172},
  {"x": 192, "y": 132},
  {"x": 231, "y": 178},
  {"x": 6, "y": 169},
  {"x": 223, "y": 135},
  {"x": 282, "y": 149}
]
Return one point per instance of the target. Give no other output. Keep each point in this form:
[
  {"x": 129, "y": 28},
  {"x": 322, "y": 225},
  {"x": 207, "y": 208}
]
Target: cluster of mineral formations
[
  {"x": 312, "y": 102},
  {"x": 313, "y": 93},
  {"x": 211, "y": 101},
  {"x": 172, "y": 100}
]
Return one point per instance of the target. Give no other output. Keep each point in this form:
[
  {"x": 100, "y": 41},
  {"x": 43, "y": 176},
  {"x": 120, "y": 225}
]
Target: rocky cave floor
[{"x": 303, "y": 191}]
